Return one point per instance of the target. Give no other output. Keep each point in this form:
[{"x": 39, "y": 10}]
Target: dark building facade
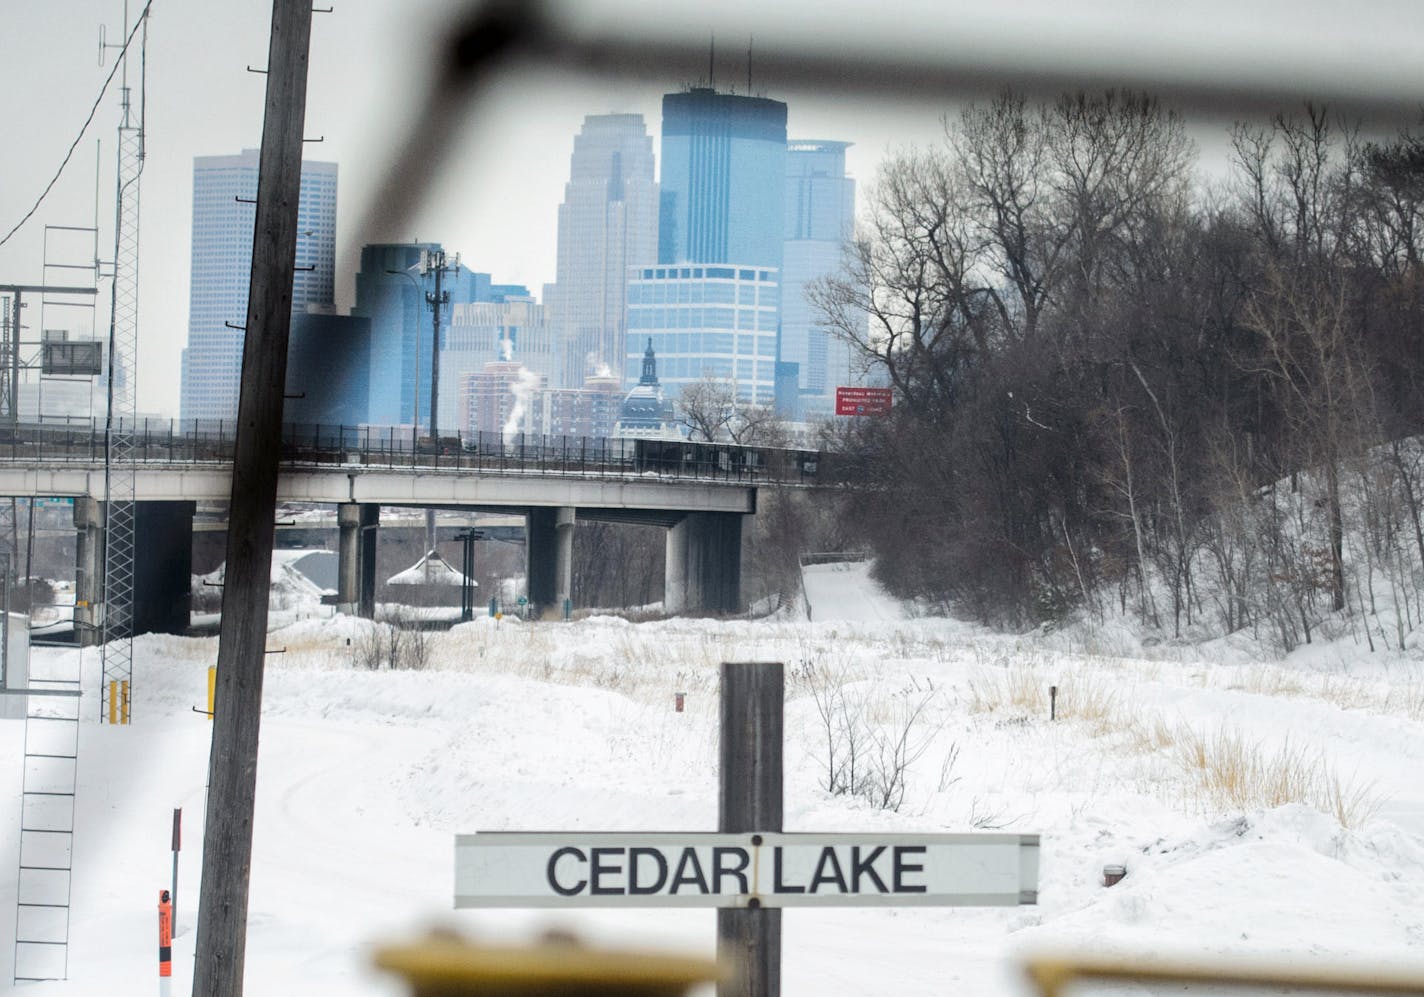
[{"x": 328, "y": 367}]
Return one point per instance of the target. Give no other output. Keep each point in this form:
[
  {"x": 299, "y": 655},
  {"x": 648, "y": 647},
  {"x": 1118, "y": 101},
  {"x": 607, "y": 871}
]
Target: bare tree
[{"x": 712, "y": 412}]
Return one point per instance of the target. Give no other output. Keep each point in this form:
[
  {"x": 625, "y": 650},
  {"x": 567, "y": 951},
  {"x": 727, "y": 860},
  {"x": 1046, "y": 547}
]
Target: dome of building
[{"x": 645, "y": 412}]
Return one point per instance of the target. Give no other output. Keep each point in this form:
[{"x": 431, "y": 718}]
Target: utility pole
[
  {"x": 232, "y": 767},
  {"x": 435, "y": 264}
]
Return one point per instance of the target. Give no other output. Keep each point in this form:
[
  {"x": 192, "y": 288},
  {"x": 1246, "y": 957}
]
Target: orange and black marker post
[{"x": 165, "y": 941}]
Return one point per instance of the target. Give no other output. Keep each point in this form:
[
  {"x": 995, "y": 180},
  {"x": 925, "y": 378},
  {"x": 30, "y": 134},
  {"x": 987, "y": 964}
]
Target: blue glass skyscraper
[
  {"x": 820, "y": 217},
  {"x": 723, "y": 179},
  {"x": 721, "y": 200}
]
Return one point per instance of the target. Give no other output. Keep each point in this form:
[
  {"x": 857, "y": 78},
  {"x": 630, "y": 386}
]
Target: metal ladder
[{"x": 46, "y": 828}]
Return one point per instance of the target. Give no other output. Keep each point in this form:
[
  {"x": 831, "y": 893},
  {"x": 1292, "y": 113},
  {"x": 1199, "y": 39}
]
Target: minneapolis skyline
[{"x": 497, "y": 201}]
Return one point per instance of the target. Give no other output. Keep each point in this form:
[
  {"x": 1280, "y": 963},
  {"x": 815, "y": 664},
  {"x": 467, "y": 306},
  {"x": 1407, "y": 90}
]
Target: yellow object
[
  {"x": 449, "y": 967},
  {"x": 118, "y": 701},
  {"x": 212, "y": 688},
  {"x": 1055, "y": 976}
]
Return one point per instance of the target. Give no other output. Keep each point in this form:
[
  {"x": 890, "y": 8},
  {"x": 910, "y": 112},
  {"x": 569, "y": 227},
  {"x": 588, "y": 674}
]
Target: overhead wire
[{"x": 142, "y": 19}]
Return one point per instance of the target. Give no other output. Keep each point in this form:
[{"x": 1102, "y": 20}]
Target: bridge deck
[
  {"x": 391, "y": 466},
  {"x": 417, "y": 486}
]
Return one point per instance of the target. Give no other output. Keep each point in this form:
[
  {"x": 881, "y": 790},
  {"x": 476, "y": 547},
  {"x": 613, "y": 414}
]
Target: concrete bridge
[{"x": 699, "y": 493}]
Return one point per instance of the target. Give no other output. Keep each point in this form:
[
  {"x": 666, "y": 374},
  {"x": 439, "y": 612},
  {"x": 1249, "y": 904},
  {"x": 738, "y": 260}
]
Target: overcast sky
[{"x": 497, "y": 203}]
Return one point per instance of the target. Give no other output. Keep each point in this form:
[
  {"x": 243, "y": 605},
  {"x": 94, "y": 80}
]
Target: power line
[{"x": 85, "y": 127}]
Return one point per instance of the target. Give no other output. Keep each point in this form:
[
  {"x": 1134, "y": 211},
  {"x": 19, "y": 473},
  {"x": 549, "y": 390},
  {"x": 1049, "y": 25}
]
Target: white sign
[{"x": 554, "y": 869}]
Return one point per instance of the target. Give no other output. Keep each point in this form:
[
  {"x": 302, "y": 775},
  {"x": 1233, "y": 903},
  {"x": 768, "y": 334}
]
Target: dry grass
[
  {"x": 1090, "y": 702},
  {"x": 1229, "y": 770},
  {"x": 1348, "y": 693},
  {"x": 1016, "y": 690},
  {"x": 1267, "y": 680},
  {"x": 1407, "y": 699},
  {"x": 1343, "y": 691},
  {"x": 1219, "y": 768},
  {"x": 1223, "y": 767},
  {"x": 1148, "y": 735},
  {"x": 1082, "y": 698}
]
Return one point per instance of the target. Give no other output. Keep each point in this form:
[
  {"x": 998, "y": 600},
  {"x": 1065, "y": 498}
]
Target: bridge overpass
[{"x": 698, "y": 492}]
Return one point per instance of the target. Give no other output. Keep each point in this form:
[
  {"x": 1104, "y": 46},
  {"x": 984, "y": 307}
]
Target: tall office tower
[
  {"x": 607, "y": 223},
  {"x": 723, "y": 180},
  {"x": 820, "y": 218},
  {"x": 224, "y": 212},
  {"x": 721, "y": 202}
]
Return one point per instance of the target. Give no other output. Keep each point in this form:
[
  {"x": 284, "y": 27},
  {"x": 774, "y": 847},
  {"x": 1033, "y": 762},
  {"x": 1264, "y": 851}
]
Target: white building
[{"x": 706, "y": 321}]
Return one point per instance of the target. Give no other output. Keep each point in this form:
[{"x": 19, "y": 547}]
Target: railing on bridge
[{"x": 169, "y": 441}]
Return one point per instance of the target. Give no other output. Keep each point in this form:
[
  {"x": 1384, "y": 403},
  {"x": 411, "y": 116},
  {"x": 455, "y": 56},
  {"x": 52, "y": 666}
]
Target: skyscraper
[
  {"x": 721, "y": 203},
  {"x": 723, "y": 179},
  {"x": 608, "y": 222},
  {"x": 224, "y": 212},
  {"x": 820, "y": 218}
]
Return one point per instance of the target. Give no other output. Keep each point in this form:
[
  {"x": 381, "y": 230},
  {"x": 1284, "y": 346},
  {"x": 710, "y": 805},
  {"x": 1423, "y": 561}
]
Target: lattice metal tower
[{"x": 119, "y": 468}]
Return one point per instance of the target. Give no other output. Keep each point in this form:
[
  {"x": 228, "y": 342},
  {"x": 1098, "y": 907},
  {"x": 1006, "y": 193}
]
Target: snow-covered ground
[{"x": 366, "y": 776}]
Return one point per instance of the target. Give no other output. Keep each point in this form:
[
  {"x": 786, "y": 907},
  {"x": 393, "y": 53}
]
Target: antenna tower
[{"x": 119, "y": 468}]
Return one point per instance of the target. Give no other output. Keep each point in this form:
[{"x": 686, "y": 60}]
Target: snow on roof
[{"x": 430, "y": 570}]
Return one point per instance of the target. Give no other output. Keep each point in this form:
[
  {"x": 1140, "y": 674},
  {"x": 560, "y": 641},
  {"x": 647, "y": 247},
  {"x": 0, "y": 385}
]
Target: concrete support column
[
  {"x": 675, "y": 570},
  {"x": 541, "y": 546},
  {"x": 88, "y": 568},
  {"x": 357, "y": 524},
  {"x": 704, "y": 564},
  {"x": 370, "y": 530},
  {"x": 163, "y": 576},
  {"x": 564, "y": 558}
]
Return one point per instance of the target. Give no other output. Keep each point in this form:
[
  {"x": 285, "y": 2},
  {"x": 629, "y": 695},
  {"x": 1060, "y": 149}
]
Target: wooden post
[
  {"x": 232, "y": 767},
  {"x": 749, "y": 940},
  {"x": 177, "y": 846}
]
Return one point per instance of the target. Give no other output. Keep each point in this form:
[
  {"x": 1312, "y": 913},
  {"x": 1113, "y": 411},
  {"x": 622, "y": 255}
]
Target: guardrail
[
  {"x": 834, "y": 557},
  {"x": 208, "y": 441}
]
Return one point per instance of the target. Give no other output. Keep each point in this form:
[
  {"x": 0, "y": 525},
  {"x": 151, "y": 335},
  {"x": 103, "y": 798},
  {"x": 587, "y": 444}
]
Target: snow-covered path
[{"x": 843, "y": 591}]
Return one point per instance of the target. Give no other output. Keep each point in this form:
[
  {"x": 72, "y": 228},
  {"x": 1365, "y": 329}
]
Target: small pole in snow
[
  {"x": 1053, "y": 702},
  {"x": 177, "y": 845},
  {"x": 165, "y": 944}
]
